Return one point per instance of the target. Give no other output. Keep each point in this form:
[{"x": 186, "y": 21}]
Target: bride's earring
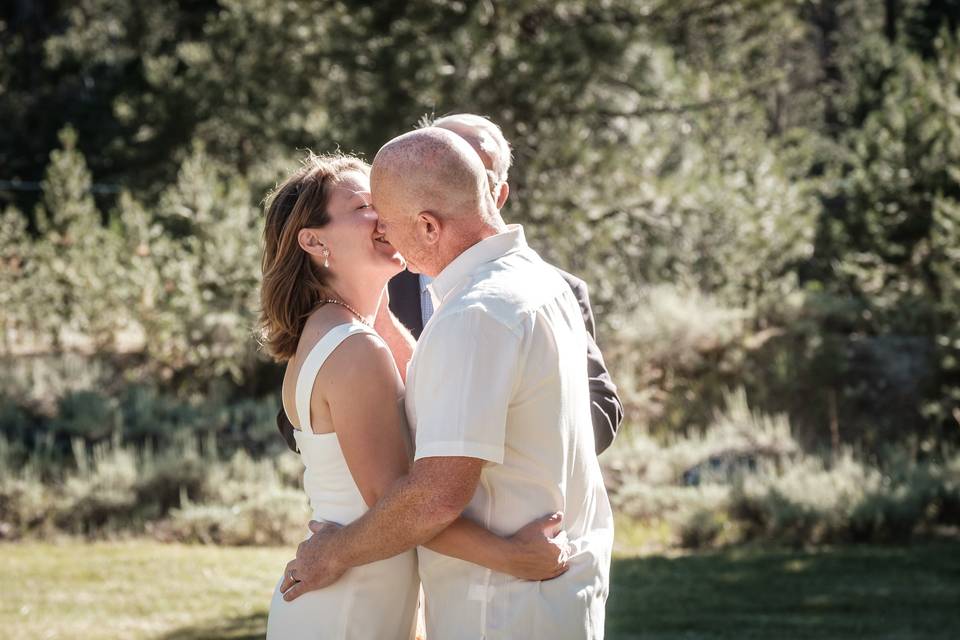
[{"x": 326, "y": 258}]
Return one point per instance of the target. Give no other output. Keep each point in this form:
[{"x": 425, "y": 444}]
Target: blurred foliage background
[{"x": 763, "y": 195}]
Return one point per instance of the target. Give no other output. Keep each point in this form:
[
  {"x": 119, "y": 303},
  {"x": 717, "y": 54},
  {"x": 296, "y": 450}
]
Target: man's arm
[
  {"x": 414, "y": 510},
  {"x": 606, "y": 411}
]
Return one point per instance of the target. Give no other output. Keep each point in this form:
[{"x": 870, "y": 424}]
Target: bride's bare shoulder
[
  {"x": 362, "y": 354},
  {"x": 318, "y": 323}
]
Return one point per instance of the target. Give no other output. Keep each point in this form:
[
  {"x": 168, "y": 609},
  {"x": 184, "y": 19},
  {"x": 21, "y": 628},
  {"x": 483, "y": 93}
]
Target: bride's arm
[
  {"x": 535, "y": 552},
  {"x": 360, "y": 387}
]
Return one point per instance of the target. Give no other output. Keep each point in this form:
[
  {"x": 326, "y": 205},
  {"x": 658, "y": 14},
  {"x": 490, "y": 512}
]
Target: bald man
[{"x": 497, "y": 398}]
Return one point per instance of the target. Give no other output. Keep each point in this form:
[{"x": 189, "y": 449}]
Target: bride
[{"x": 324, "y": 313}]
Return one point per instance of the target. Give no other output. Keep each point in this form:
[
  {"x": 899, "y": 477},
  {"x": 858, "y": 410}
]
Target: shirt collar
[{"x": 487, "y": 250}]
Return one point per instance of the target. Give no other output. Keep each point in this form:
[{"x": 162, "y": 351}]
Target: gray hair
[{"x": 492, "y": 141}]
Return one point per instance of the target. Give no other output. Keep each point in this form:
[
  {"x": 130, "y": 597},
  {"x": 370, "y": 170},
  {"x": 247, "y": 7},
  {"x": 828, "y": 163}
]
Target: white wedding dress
[{"x": 376, "y": 601}]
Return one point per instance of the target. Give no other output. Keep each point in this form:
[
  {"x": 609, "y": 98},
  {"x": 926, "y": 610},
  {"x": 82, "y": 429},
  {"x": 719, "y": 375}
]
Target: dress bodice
[{"x": 327, "y": 480}]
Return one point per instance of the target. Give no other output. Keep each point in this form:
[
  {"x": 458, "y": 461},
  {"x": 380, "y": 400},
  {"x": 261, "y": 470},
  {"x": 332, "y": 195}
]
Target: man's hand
[
  {"x": 316, "y": 565},
  {"x": 539, "y": 551}
]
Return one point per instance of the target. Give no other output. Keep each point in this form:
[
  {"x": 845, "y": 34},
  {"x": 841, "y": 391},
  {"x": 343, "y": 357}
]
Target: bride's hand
[{"x": 539, "y": 551}]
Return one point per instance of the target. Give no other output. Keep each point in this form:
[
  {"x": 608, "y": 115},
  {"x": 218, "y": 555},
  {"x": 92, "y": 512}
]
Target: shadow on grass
[
  {"x": 854, "y": 592},
  {"x": 251, "y": 627}
]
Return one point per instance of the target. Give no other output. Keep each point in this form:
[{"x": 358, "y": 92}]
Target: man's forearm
[{"x": 406, "y": 516}]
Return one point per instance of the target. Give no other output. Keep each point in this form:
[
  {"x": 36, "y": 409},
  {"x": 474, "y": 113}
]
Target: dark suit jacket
[{"x": 606, "y": 410}]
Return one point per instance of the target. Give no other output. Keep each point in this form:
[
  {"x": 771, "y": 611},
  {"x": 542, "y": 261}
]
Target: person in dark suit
[{"x": 411, "y": 303}]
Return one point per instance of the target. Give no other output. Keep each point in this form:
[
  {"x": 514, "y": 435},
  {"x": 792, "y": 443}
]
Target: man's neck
[
  {"x": 494, "y": 225},
  {"x": 485, "y": 229}
]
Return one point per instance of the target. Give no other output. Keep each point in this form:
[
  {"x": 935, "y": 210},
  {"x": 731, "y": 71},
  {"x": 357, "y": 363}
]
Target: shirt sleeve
[{"x": 465, "y": 379}]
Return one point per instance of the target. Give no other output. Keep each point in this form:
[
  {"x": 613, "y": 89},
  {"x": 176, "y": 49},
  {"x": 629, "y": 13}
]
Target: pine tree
[{"x": 73, "y": 299}]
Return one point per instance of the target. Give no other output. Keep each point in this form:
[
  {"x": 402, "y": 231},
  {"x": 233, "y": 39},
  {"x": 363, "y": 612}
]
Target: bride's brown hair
[{"x": 293, "y": 285}]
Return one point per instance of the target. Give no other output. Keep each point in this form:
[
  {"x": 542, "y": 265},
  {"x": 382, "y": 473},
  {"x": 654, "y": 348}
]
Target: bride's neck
[{"x": 362, "y": 296}]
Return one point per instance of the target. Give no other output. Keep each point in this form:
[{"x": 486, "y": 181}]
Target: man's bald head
[{"x": 433, "y": 170}]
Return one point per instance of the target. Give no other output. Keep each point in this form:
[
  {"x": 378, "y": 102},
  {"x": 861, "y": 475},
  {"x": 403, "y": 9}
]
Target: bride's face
[{"x": 351, "y": 235}]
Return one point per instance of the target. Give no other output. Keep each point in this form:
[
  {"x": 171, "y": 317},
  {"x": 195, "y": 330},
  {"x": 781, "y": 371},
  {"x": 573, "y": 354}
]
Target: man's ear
[
  {"x": 428, "y": 226},
  {"x": 502, "y": 194},
  {"x": 309, "y": 241}
]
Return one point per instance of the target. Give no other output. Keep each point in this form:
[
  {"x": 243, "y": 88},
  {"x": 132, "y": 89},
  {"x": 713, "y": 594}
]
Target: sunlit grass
[
  {"x": 144, "y": 589},
  {"x": 136, "y": 590},
  {"x": 640, "y": 537}
]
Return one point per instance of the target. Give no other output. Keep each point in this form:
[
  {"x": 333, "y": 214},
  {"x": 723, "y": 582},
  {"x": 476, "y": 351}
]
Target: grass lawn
[
  {"x": 174, "y": 592},
  {"x": 850, "y": 592}
]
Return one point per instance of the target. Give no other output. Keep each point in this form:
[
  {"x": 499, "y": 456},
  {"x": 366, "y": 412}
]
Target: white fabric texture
[
  {"x": 376, "y": 600},
  {"x": 499, "y": 374}
]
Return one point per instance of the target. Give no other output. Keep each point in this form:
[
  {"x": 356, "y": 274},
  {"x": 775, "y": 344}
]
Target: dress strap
[{"x": 314, "y": 360}]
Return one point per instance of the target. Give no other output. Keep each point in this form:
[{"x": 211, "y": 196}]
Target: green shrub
[
  {"x": 176, "y": 492},
  {"x": 785, "y": 496},
  {"x": 672, "y": 356},
  {"x": 26, "y": 507},
  {"x": 100, "y": 497},
  {"x": 810, "y": 503},
  {"x": 15, "y": 421},
  {"x": 139, "y": 415},
  {"x": 174, "y": 474},
  {"x": 87, "y": 414},
  {"x": 699, "y": 528},
  {"x": 149, "y": 415},
  {"x": 911, "y": 497},
  {"x": 249, "y": 502},
  {"x": 278, "y": 515},
  {"x": 736, "y": 436}
]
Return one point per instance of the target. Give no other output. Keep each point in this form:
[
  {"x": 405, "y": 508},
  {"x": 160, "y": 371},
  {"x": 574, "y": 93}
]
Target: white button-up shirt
[{"x": 499, "y": 374}]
